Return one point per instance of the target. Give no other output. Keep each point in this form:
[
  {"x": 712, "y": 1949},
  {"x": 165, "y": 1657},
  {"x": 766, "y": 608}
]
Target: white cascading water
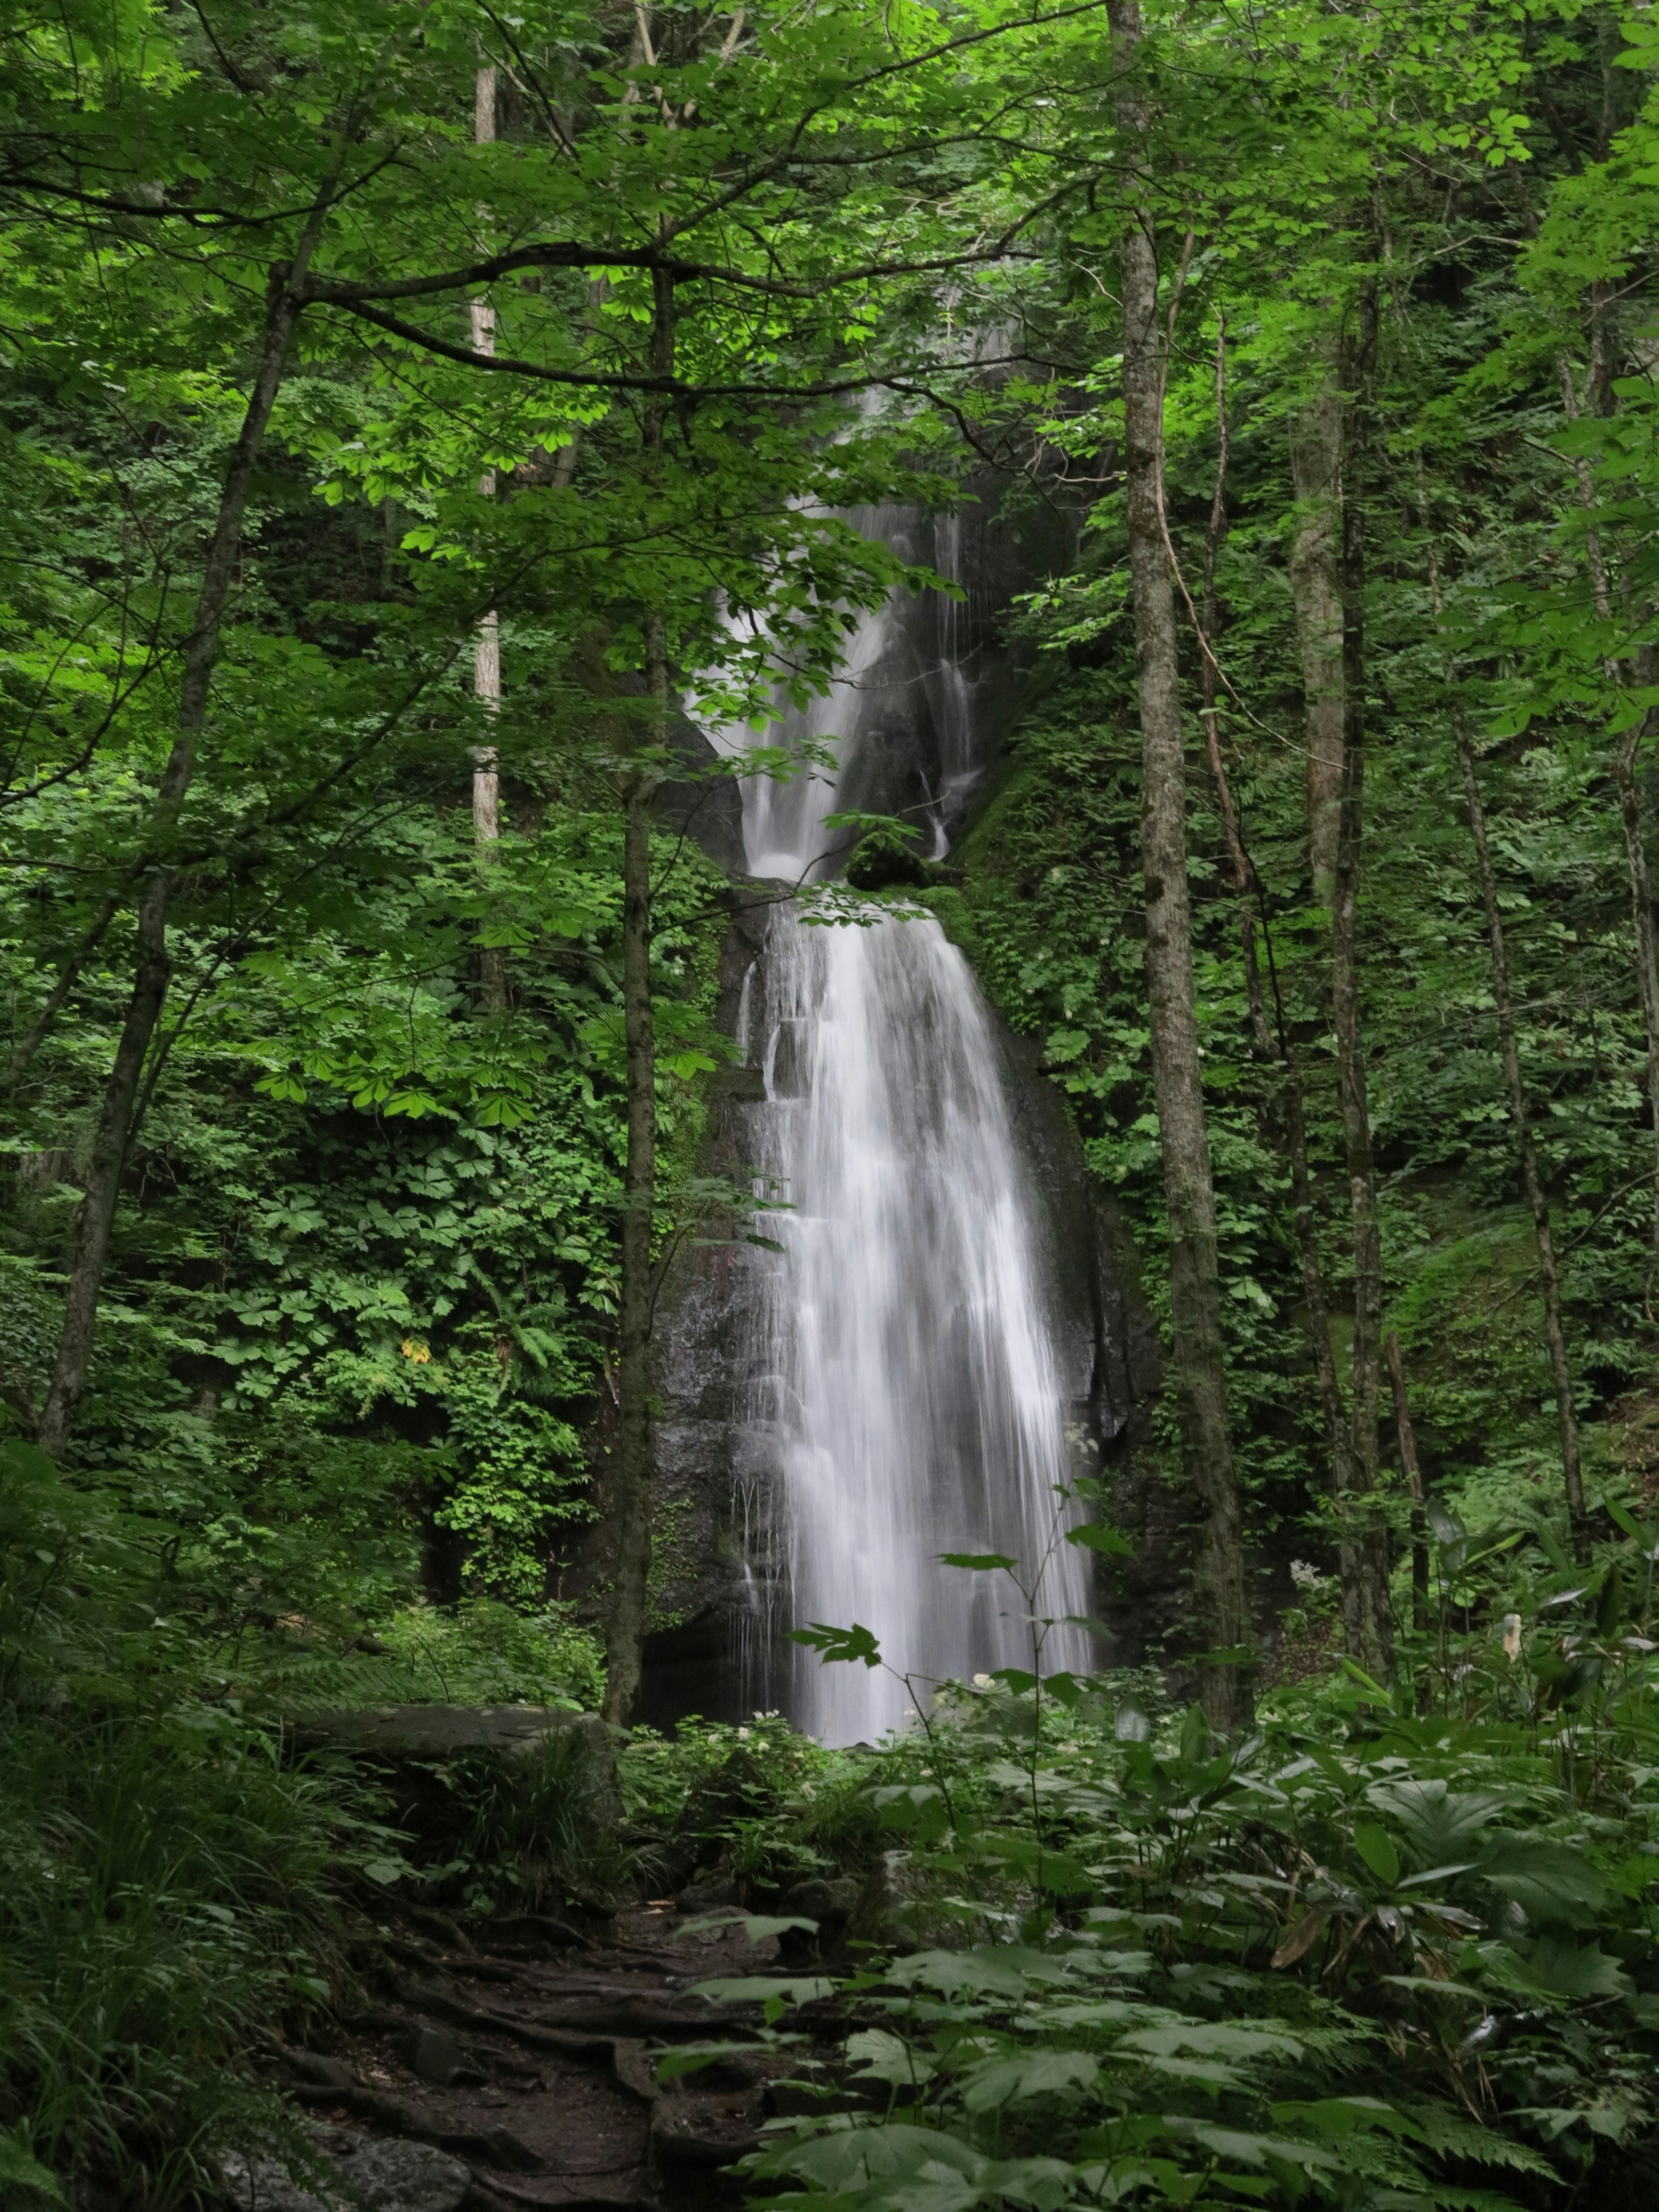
[{"x": 905, "y": 1386}]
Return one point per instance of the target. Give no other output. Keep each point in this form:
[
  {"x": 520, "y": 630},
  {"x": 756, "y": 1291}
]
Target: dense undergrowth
[
  {"x": 176, "y": 1883},
  {"x": 1397, "y": 1947},
  {"x": 1389, "y": 1950}
]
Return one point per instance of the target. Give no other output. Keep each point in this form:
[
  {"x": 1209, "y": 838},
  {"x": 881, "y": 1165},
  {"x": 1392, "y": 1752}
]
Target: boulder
[
  {"x": 892, "y": 1909},
  {"x": 420, "y": 1735},
  {"x": 434, "y": 2057},
  {"x": 317, "y": 2071},
  {"x": 711, "y": 1889},
  {"x": 831, "y": 1904},
  {"x": 360, "y": 2173}
]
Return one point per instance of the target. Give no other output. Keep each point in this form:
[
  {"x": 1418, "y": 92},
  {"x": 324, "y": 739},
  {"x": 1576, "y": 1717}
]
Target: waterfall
[{"x": 904, "y": 1391}]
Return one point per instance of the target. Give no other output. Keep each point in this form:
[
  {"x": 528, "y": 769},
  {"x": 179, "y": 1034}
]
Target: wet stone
[
  {"x": 317, "y": 2071},
  {"x": 434, "y": 2057},
  {"x": 358, "y": 2174}
]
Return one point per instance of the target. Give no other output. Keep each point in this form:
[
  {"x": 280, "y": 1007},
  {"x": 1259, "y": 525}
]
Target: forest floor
[{"x": 527, "y": 2050}]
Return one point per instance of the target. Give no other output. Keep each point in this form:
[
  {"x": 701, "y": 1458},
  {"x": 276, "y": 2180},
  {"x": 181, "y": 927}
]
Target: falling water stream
[{"x": 904, "y": 1381}]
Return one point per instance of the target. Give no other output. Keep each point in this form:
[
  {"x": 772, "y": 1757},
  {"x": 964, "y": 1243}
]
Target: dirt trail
[{"x": 528, "y": 2049}]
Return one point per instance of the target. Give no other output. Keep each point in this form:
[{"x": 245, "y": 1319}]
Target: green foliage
[
  {"x": 165, "y": 1879},
  {"x": 481, "y": 1652},
  {"x": 363, "y": 1291}
]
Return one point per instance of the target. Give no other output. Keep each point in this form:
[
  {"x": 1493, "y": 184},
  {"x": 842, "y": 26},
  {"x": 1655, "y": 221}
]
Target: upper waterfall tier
[{"x": 911, "y": 723}]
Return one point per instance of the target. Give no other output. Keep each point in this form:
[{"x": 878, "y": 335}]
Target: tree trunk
[
  {"x": 1273, "y": 1039},
  {"x": 1624, "y": 759},
  {"x": 1365, "y": 1610},
  {"x": 631, "y": 1504},
  {"x": 635, "y": 1469},
  {"x": 95, "y": 1219},
  {"x": 486, "y": 651},
  {"x": 1315, "y": 592},
  {"x": 1566, "y": 1416},
  {"x": 1195, "y": 1292},
  {"x": 1402, "y": 1422},
  {"x": 1647, "y": 941}
]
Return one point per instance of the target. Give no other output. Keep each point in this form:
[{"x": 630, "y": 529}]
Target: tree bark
[
  {"x": 96, "y": 1218},
  {"x": 1315, "y": 445},
  {"x": 487, "y": 650},
  {"x": 635, "y": 1455},
  {"x": 1631, "y": 814},
  {"x": 1402, "y": 1422},
  {"x": 1194, "y": 1291},
  {"x": 1549, "y": 1275},
  {"x": 1273, "y": 1039},
  {"x": 1631, "y": 810},
  {"x": 631, "y": 1504},
  {"x": 1366, "y": 1618}
]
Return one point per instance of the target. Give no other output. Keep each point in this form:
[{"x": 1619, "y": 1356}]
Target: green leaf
[
  {"x": 1001, "y": 2081},
  {"x": 1131, "y": 1725},
  {"x": 1567, "y": 1969},
  {"x": 1610, "y": 1604},
  {"x": 756, "y": 1926},
  {"x": 765, "y": 1989},
  {"x": 1446, "y": 1527},
  {"x": 879, "y": 2056},
  {"x": 692, "y": 2057},
  {"x": 1101, "y": 1536},
  {"x": 842, "y": 1645},
  {"x": 1376, "y": 1846}
]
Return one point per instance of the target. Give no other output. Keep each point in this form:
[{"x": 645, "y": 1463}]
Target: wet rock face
[
  {"x": 703, "y": 803},
  {"x": 701, "y": 1549},
  {"x": 934, "y": 705}
]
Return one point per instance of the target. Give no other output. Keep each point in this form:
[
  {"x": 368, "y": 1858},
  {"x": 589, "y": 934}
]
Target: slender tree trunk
[
  {"x": 1549, "y": 1275},
  {"x": 1631, "y": 809},
  {"x": 1195, "y": 1291},
  {"x": 1273, "y": 1039},
  {"x": 486, "y": 651},
  {"x": 1402, "y": 1422},
  {"x": 1315, "y": 445},
  {"x": 1366, "y": 1617},
  {"x": 635, "y": 1469},
  {"x": 1631, "y": 813},
  {"x": 625, "y": 1630},
  {"x": 95, "y": 1219}
]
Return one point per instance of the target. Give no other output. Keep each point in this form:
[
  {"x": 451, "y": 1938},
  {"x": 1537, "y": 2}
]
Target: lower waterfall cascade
[{"x": 903, "y": 1387}]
